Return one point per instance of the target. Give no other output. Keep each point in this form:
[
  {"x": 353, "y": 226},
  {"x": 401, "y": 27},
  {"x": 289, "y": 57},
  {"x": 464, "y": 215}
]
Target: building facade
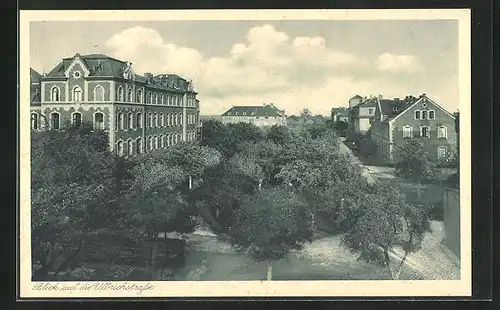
[
  {"x": 361, "y": 114},
  {"x": 397, "y": 120},
  {"x": 261, "y": 116},
  {"x": 140, "y": 113}
]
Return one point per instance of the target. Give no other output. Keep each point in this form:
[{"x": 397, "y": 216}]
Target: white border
[{"x": 257, "y": 288}]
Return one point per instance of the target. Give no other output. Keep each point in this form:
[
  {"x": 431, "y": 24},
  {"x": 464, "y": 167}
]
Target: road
[{"x": 343, "y": 149}]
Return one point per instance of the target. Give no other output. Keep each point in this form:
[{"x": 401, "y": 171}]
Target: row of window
[
  {"x": 442, "y": 132},
  {"x": 172, "y": 100},
  {"x": 76, "y": 119},
  {"x": 153, "y": 120},
  {"x": 421, "y": 115},
  {"x": 152, "y": 143},
  {"x": 442, "y": 151}
]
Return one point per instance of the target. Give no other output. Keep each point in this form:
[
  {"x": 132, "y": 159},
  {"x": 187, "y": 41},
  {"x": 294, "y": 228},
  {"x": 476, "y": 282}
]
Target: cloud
[
  {"x": 398, "y": 63},
  {"x": 268, "y": 66}
]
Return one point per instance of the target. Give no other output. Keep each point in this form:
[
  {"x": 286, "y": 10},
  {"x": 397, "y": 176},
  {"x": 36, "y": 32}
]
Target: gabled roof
[
  {"x": 370, "y": 103},
  {"x": 410, "y": 101},
  {"x": 357, "y": 97},
  {"x": 264, "y": 110},
  {"x": 101, "y": 65},
  {"x": 35, "y": 77}
]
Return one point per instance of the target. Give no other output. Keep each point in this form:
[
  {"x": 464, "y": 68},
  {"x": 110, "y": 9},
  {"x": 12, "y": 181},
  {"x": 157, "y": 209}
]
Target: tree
[
  {"x": 415, "y": 164},
  {"x": 278, "y": 134},
  {"x": 381, "y": 223},
  {"x": 270, "y": 224},
  {"x": 305, "y": 113},
  {"x": 74, "y": 185},
  {"x": 226, "y": 138}
]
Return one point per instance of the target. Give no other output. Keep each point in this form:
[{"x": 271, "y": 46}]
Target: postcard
[{"x": 245, "y": 153}]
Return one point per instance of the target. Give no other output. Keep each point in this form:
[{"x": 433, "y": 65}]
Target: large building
[
  {"x": 396, "y": 120},
  {"x": 264, "y": 115},
  {"x": 140, "y": 113}
]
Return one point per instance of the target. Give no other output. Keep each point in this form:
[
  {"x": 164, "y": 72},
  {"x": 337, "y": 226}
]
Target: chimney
[
  {"x": 379, "y": 97},
  {"x": 396, "y": 99},
  {"x": 148, "y": 76}
]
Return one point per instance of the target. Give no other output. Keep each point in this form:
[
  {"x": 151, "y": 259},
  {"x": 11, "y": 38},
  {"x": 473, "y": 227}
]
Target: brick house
[
  {"x": 140, "y": 113},
  {"x": 396, "y": 120},
  {"x": 261, "y": 116}
]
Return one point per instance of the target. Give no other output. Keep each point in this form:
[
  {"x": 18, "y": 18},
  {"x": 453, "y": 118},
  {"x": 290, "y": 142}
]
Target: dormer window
[
  {"x": 229, "y": 113},
  {"x": 394, "y": 109}
]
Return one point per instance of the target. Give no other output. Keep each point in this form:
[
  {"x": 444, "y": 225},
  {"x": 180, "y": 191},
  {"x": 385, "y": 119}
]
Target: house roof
[
  {"x": 357, "y": 97},
  {"x": 404, "y": 105},
  {"x": 370, "y": 103},
  {"x": 264, "y": 110},
  {"x": 101, "y": 65},
  {"x": 35, "y": 77}
]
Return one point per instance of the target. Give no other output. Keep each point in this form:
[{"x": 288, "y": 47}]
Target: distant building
[
  {"x": 340, "y": 114},
  {"x": 265, "y": 115},
  {"x": 140, "y": 113},
  {"x": 396, "y": 120},
  {"x": 361, "y": 114}
]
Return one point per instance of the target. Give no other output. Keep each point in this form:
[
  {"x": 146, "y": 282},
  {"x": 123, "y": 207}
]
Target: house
[
  {"x": 140, "y": 113},
  {"x": 264, "y": 115},
  {"x": 340, "y": 114},
  {"x": 396, "y": 120},
  {"x": 361, "y": 114}
]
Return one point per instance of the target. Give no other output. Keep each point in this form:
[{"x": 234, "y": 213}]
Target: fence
[{"x": 451, "y": 219}]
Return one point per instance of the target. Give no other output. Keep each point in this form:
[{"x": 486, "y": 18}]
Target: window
[
  {"x": 162, "y": 120},
  {"x": 139, "y": 96},
  {"x": 161, "y": 99},
  {"x": 99, "y": 121},
  {"x": 424, "y": 132},
  {"x": 98, "y": 93},
  {"x": 139, "y": 120},
  {"x": 34, "y": 121},
  {"x": 150, "y": 120},
  {"x": 130, "y": 148},
  {"x": 119, "y": 148},
  {"x": 156, "y": 142},
  {"x": 138, "y": 146},
  {"x": 121, "y": 94},
  {"x": 371, "y": 111},
  {"x": 54, "y": 94},
  {"x": 432, "y": 114},
  {"x": 407, "y": 132},
  {"x": 150, "y": 98},
  {"x": 424, "y": 114},
  {"x": 442, "y": 132},
  {"x": 441, "y": 152},
  {"x": 156, "y": 98},
  {"x": 76, "y": 119},
  {"x": 55, "y": 121},
  {"x": 120, "y": 121},
  {"x": 168, "y": 140},
  {"x": 130, "y": 95},
  {"x": 180, "y": 119},
  {"x": 76, "y": 94},
  {"x": 162, "y": 141},
  {"x": 130, "y": 121},
  {"x": 417, "y": 114},
  {"x": 156, "y": 120},
  {"x": 150, "y": 139},
  {"x": 168, "y": 119}
]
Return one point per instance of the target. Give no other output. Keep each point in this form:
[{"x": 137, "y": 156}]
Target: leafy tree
[
  {"x": 226, "y": 138},
  {"x": 74, "y": 185},
  {"x": 278, "y": 134},
  {"x": 381, "y": 223},
  {"x": 305, "y": 113},
  {"x": 270, "y": 224},
  {"x": 415, "y": 164}
]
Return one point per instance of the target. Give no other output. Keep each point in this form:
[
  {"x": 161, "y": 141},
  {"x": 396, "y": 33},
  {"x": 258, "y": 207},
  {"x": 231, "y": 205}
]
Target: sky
[{"x": 313, "y": 64}]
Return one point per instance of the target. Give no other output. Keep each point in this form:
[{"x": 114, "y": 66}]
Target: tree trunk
[
  {"x": 398, "y": 271},
  {"x": 190, "y": 183},
  {"x": 388, "y": 263},
  {"x": 269, "y": 271},
  {"x": 154, "y": 252}
]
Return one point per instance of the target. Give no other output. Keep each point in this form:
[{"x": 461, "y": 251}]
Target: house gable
[{"x": 77, "y": 64}]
